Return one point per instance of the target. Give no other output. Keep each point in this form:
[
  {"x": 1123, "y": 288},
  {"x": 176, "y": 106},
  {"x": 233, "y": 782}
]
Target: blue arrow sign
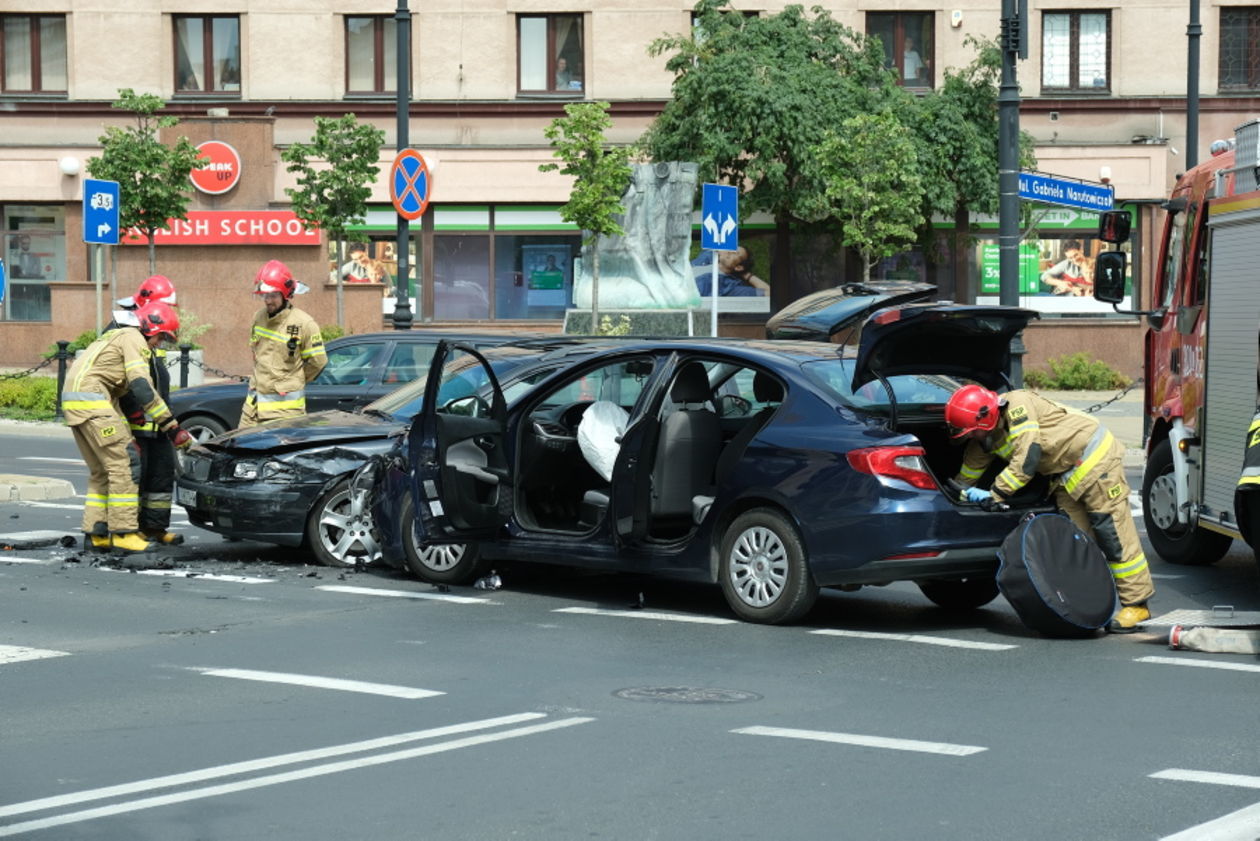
[
  {"x": 100, "y": 211},
  {"x": 1050, "y": 190},
  {"x": 719, "y": 218},
  {"x": 1, "y": 281}
]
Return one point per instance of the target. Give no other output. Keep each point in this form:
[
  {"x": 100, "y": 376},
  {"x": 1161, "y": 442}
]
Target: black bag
[{"x": 1056, "y": 577}]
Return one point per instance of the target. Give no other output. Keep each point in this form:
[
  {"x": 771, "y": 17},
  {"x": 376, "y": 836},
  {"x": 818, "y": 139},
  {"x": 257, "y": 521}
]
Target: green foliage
[
  {"x": 600, "y": 172},
  {"x": 331, "y": 331},
  {"x": 153, "y": 177},
  {"x": 621, "y": 328},
  {"x": 1076, "y": 372},
  {"x": 334, "y": 195},
  {"x": 870, "y": 168},
  {"x": 29, "y": 398},
  {"x": 191, "y": 328},
  {"x": 80, "y": 342}
]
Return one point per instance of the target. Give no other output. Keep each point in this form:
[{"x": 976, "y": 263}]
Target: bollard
[
  {"x": 62, "y": 356},
  {"x": 184, "y": 361}
]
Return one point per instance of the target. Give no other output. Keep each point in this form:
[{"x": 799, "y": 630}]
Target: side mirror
[
  {"x": 1109, "y": 272},
  {"x": 1113, "y": 226}
]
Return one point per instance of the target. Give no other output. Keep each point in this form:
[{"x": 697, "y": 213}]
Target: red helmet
[
  {"x": 275, "y": 276},
  {"x": 156, "y": 288},
  {"x": 972, "y": 407},
  {"x": 156, "y": 317}
]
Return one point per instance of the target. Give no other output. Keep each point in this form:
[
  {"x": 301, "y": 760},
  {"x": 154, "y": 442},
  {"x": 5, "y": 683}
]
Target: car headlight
[{"x": 256, "y": 469}]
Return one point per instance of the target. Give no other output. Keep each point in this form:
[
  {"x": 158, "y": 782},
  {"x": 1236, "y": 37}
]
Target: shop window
[
  {"x": 550, "y": 56},
  {"x": 461, "y": 277},
  {"x": 371, "y": 54},
  {"x": 908, "y": 42},
  {"x": 1076, "y": 51},
  {"x": 207, "y": 54},
  {"x": 1240, "y": 48},
  {"x": 34, "y": 50},
  {"x": 34, "y": 257},
  {"x": 533, "y": 275}
]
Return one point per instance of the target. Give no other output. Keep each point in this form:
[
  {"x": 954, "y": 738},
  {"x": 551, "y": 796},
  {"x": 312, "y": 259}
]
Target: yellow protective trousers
[{"x": 113, "y": 500}]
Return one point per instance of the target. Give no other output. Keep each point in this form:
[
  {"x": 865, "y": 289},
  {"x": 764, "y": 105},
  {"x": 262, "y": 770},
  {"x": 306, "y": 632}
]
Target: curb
[
  {"x": 17, "y": 488},
  {"x": 35, "y": 429}
]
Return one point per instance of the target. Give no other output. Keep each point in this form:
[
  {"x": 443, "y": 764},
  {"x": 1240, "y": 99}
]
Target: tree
[
  {"x": 152, "y": 177},
  {"x": 334, "y": 196},
  {"x": 752, "y": 101},
  {"x": 600, "y": 175},
  {"x": 871, "y": 169}
]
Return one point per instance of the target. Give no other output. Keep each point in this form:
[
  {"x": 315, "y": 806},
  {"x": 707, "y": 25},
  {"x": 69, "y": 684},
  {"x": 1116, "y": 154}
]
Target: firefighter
[
  {"x": 153, "y": 456},
  {"x": 116, "y": 364},
  {"x": 288, "y": 349},
  {"x": 1084, "y": 460},
  {"x": 1247, "y": 493}
]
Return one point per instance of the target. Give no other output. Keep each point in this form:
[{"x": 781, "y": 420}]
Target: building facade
[{"x": 1103, "y": 95}]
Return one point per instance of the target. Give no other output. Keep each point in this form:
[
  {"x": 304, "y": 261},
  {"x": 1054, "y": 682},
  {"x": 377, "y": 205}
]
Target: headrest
[
  {"x": 767, "y": 389},
  {"x": 691, "y": 385}
]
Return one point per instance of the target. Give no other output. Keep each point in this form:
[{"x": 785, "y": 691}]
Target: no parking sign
[{"x": 409, "y": 184}]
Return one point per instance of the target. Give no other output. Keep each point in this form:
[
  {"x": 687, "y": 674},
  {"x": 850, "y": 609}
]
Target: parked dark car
[
  {"x": 288, "y": 481},
  {"x": 773, "y": 468},
  {"x": 360, "y": 369}
]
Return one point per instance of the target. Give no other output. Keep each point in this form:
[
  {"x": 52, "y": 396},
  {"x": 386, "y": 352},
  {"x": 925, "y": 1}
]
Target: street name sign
[{"x": 1051, "y": 190}]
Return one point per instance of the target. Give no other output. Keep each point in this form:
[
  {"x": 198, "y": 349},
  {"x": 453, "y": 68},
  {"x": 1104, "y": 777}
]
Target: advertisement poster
[{"x": 548, "y": 271}]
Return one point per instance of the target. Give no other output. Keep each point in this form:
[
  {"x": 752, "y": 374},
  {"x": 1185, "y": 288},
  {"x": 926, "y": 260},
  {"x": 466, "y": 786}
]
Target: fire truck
[{"x": 1201, "y": 353}]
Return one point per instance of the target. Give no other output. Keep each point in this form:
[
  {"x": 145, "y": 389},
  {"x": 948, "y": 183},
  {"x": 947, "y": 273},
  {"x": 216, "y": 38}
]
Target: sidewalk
[
  {"x": 1123, "y": 417},
  {"x": 15, "y": 487}
]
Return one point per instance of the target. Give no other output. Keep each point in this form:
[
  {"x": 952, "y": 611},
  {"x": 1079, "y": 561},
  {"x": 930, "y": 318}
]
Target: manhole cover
[{"x": 686, "y": 695}]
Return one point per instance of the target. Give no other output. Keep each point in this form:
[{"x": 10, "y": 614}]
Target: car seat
[
  {"x": 766, "y": 389},
  {"x": 688, "y": 446}
]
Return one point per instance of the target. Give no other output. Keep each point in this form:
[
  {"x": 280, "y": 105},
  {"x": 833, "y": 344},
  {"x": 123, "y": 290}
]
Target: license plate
[{"x": 186, "y": 496}]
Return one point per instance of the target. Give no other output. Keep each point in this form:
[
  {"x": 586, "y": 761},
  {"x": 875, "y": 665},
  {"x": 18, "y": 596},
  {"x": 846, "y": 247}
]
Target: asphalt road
[{"x": 232, "y": 691}]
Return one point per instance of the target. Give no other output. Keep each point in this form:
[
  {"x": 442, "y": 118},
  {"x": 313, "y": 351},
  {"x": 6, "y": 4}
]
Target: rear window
[{"x": 913, "y": 390}]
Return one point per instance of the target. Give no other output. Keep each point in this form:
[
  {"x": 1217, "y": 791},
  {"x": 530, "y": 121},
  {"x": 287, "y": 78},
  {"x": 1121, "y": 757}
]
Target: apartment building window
[
  {"x": 551, "y": 59},
  {"x": 1240, "y": 48},
  {"x": 34, "y": 50},
  {"x": 207, "y": 54},
  {"x": 371, "y": 54},
  {"x": 34, "y": 238},
  {"x": 909, "y": 45},
  {"x": 1076, "y": 51}
]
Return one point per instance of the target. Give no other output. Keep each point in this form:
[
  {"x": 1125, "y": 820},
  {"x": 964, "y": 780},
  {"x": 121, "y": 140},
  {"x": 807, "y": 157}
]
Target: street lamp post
[
  {"x": 402, "y": 301},
  {"x": 1014, "y": 44}
]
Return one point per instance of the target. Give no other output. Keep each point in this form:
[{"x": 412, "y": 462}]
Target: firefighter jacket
[
  {"x": 116, "y": 364},
  {"x": 142, "y": 427},
  {"x": 1035, "y": 435},
  {"x": 288, "y": 353}
]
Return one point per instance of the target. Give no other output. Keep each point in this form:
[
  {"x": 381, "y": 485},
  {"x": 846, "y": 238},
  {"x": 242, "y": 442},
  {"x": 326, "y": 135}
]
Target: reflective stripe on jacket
[
  {"x": 288, "y": 353},
  {"x": 104, "y": 372}
]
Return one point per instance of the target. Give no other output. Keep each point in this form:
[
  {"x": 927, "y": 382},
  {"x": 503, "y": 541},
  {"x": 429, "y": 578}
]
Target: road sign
[
  {"x": 100, "y": 211},
  {"x": 719, "y": 218},
  {"x": 222, "y": 171},
  {"x": 1052, "y": 190},
  {"x": 1, "y": 281},
  {"x": 409, "y": 184}
]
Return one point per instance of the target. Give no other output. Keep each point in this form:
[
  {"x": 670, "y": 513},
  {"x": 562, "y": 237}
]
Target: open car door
[{"x": 460, "y": 472}]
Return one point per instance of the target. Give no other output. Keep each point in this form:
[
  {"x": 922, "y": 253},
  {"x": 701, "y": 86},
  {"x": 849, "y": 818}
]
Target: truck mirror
[
  {"x": 1113, "y": 226},
  {"x": 1109, "y": 276}
]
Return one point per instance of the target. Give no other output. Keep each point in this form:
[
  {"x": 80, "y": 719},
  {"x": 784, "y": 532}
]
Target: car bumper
[{"x": 262, "y": 511}]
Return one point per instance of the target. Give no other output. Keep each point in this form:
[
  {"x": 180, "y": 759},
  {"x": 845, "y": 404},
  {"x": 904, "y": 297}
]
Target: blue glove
[{"x": 978, "y": 495}]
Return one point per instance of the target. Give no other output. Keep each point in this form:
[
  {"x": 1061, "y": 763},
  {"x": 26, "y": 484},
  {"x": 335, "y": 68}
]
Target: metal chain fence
[{"x": 1099, "y": 406}]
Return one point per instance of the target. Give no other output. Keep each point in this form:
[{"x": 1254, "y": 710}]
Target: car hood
[
  {"x": 819, "y": 316},
  {"x": 314, "y": 430},
  {"x": 967, "y": 341}
]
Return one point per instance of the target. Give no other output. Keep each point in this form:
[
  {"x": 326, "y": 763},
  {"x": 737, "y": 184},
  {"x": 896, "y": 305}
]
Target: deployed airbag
[{"x": 599, "y": 435}]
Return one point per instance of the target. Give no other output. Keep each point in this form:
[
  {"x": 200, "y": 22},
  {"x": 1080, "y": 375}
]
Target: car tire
[
  {"x": 202, "y": 427},
  {"x": 763, "y": 571},
  {"x": 340, "y": 530},
  {"x": 961, "y": 593},
  {"x": 455, "y": 563},
  {"x": 1176, "y": 543}
]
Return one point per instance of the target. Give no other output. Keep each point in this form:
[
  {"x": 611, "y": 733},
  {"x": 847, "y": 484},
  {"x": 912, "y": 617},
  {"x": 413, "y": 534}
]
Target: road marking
[
  {"x": 176, "y": 516},
  {"x": 919, "y": 638},
  {"x": 7, "y": 560},
  {"x": 647, "y": 614},
  {"x": 1215, "y": 778},
  {"x": 273, "y": 779},
  {"x": 402, "y": 594},
  {"x": 1200, "y": 664},
  {"x": 1236, "y": 826},
  {"x": 77, "y": 461},
  {"x": 192, "y": 573},
  {"x": 17, "y": 653},
  {"x": 321, "y": 682},
  {"x": 942, "y": 748}
]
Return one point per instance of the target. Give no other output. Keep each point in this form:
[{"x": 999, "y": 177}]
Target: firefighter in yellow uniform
[
  {"x": 1033, "y": 435},
  {"x": 114, "y": 365},
  {"x": 288, "y": 350}
]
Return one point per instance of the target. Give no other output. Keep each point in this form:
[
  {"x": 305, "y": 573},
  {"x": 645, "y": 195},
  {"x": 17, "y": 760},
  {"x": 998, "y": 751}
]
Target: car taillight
[{"x": 904, "y": 463}]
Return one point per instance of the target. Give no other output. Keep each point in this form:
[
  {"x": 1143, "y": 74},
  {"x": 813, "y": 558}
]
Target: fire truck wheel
[{"x": 1175, "y": 542}]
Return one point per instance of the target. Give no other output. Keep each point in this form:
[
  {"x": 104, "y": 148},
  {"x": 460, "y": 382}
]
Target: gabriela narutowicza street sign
[{"x": 1049, "y": 189}]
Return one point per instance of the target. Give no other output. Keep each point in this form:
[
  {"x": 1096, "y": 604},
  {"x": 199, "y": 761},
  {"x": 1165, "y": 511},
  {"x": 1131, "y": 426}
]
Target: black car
[
  {"x": 773, "y": 468},
  {"x": 288, "y": 481},
  {"x": 360, "y": 369}
]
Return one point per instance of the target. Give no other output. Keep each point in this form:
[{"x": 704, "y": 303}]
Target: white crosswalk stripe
[{"x": 17, "y": 654}]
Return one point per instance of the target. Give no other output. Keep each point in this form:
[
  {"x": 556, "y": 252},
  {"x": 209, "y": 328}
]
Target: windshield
[
  {"x": 914, "y": 391},
  {"x": 461, "y": 375}
]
